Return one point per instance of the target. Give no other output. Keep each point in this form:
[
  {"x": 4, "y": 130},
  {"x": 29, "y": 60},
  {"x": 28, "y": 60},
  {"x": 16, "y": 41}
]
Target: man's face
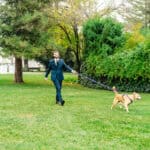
[{"x": 56, "y": 55}]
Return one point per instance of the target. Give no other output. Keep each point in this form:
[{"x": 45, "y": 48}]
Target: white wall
[
  {"x": 7, "y": 65},
  {"x": 7, "y": 68}
]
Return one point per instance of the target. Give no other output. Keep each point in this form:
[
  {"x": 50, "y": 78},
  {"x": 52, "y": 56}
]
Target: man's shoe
[
  {"x": 62, "y": 103},
  {"x": 57, "y": 102}
]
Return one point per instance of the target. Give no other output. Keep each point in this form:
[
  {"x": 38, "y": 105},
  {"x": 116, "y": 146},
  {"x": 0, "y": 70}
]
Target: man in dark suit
[{"x": 56, "y": 66}]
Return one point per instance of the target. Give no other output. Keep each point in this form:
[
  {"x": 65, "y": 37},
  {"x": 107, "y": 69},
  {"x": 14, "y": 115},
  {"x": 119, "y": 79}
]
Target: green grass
[{"x": 30, "y": 119}]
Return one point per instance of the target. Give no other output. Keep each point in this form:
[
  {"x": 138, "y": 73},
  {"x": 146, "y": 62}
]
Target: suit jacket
[{"x": 57, "y": 70}]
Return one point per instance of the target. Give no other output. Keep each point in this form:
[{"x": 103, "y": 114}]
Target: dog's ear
[
  {"x": 134, "y": 94},
  {"x": 114, "y": 88}
]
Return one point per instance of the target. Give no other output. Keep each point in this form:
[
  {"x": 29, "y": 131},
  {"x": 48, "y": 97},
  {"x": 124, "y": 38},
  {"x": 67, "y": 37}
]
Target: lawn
[{"x": 30, "y": 119}]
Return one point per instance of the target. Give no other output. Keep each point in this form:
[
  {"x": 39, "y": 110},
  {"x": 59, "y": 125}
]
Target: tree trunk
[
  {"x": 77, "y": 52},
  {"x": 18, "y": 70}
]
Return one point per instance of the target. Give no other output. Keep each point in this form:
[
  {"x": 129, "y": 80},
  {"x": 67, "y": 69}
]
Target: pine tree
[{"x": 22, "y": 30}]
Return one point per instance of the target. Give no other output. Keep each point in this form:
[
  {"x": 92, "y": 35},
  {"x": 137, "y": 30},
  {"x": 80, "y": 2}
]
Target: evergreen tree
[{"x": 23, "y": 27}]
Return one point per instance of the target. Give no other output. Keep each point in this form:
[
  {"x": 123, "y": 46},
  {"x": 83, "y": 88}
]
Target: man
[{"x": 56, "y": 66}]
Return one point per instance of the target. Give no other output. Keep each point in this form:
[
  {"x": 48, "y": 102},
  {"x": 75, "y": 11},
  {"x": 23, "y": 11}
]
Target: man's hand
[{"x": 74, "y": 72}]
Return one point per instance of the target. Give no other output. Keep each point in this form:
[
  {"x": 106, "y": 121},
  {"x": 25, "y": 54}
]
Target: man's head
[{"x": 56, "y": 54}]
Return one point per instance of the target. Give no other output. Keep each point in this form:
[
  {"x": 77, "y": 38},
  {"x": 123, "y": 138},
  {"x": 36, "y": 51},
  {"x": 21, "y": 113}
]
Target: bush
[
  {"x": 128, "y": 70},
  {"x": 102, "y": 36}
]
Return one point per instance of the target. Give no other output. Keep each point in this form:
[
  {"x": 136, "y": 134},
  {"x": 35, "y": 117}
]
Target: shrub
[
  {"x": 102, "y": 36},
  {"x": 128, "y": 70}
]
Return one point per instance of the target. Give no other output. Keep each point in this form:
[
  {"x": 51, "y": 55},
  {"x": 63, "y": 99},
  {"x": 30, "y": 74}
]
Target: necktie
[{"x": 56, "y": 61}]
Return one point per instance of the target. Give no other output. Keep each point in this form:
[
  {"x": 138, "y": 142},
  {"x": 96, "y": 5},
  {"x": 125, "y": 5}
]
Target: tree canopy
[{"x": 23, "y": 30}]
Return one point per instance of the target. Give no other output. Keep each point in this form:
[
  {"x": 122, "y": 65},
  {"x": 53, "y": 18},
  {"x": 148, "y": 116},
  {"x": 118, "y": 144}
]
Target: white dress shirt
[{"x": 56, "y": 60}]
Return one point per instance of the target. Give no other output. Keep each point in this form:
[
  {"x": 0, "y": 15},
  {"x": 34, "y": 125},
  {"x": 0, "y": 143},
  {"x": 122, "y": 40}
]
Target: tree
[
  {"x": 23, "y": 26},
  {"x": 102, "y": 37},
  {"x": 69, "y": 17},
  {"x": 134, "y": 37},
  {"x": 114, "y": 58},
  {"x": 136, "y": 11}
]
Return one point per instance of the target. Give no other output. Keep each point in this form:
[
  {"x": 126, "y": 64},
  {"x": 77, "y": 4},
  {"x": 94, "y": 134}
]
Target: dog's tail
[{"x": 114, "y": 90}]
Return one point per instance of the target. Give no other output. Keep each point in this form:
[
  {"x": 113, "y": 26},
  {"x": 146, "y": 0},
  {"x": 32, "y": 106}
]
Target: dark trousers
[{"x": 58, "y": 86}]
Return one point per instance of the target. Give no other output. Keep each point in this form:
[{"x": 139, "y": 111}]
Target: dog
[{"x": 124, "y": 99}]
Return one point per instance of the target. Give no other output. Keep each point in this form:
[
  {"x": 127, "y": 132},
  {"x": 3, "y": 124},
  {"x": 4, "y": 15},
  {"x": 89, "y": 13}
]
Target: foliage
[
  {"x": 68, "y": 18},
  {"x": 138, "y": 12},
  {"x": 135, "y": 37},
  {"x": 128, "y": 68},
  {"x": 23, "y": 33},
  {"x": 102, "y": 36},
  {"x": 23, "y": 26}
]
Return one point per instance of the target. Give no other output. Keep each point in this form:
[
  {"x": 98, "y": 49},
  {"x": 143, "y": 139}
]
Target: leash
[{"x": 95, "y": 82}]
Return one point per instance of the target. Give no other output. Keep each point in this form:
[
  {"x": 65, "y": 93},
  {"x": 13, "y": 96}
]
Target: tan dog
[{"x": 124, "y": 99}]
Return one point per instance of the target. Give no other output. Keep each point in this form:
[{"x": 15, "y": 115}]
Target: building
[{"x": 7, "y": 65}]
